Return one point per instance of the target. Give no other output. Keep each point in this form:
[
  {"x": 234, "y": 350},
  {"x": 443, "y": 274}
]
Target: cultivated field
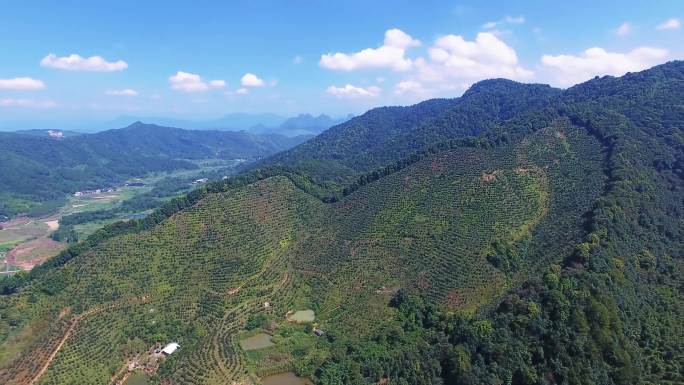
[{"x": 27, "y": 239}]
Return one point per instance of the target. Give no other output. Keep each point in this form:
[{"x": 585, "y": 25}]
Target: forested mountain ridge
[
  {"x": 542, "y": 245},
  {"x": 34, "y": 169},
  {"x": 385, "y": 134}
]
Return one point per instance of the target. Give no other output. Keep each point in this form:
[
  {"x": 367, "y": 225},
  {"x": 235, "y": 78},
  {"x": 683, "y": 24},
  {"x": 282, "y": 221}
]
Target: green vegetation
[
  {"x": 540, "y": 244},
  {"x": 84, "y": 215},
  {"x": 387, "y": 134},
  {"x": 38, "y": 173}
]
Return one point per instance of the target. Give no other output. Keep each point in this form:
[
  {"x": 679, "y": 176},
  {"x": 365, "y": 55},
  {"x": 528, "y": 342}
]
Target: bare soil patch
[
  {"x": 35, "y": 252},
  {"x": 52, "y": 225}
]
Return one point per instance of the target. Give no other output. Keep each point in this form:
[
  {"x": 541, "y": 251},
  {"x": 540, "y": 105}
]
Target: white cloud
[
  {"x": 390, "y": 55},
  {"x": 409, "y": 87},
  {"x": 22, "y": 84},
  {"x": 217, "y": 83},
  {"x": 452, "y": 58},
  {"x": 75, "y": 62},
  {"x": 242, "y": 91},
  {"x": 506, "y": 20},
  {"x": 26, "y": 103},
  {"x": 251, "y": 80},
  {"x": 297, "y": 60},
  {"x": 351, "y": 92},
  {"x": 669, "y": 24},
  {"x": 124, "y": 92},
  {"x": 188, "y": 82},
  {"x": 570, "y": 69},
  {"x": 624, "y": 29}
]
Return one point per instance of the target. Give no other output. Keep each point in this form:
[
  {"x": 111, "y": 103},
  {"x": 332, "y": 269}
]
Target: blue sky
[{"x": 72, "y": 60}]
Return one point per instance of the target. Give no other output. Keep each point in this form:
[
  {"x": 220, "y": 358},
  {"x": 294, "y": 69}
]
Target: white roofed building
[{"x": 170, "y": 348}]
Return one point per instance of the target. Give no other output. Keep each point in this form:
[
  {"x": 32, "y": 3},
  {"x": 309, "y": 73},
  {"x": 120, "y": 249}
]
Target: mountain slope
[
  {"x": 547, "y": 250},
  {"x": 342, "y": 260},
  {"x": 385, "y": 134},
  {"x": 38, "y": 169}
]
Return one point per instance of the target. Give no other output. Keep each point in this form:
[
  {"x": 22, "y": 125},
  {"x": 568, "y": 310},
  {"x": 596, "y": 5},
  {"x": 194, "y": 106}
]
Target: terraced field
[{"x": 457, "y": 228}]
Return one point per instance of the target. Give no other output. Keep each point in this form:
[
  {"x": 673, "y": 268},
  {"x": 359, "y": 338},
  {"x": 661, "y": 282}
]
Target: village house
[
  {"x": 87, "y": 192},
  {"x": 170, "y": 348}
]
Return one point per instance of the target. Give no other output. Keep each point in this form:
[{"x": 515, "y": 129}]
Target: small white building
[{"x": 170, "y": 348}]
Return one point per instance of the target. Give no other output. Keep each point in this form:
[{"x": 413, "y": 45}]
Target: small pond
[
  {"x": 302, "y": 316},
  {"x": 137, "y": 378},
  {"x": 257, "y": 341},
  {"x": 288, "y": 378}
]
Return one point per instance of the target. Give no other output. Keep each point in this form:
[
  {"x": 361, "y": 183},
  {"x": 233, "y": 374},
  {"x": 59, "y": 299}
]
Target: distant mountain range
[
  {"x": 261, "y": 123},
  {"x": 43, "y": 166}
]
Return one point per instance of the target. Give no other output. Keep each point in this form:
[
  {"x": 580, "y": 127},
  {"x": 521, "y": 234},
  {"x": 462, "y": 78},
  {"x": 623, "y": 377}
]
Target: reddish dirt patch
[{"x": 32, "y": 253}]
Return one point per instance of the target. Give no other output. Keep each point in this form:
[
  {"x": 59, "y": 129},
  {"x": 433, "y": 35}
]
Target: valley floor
[{"x": 26, "y": 242}]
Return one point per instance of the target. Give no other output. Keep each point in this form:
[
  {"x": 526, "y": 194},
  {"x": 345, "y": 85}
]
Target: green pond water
[
  {"x": 288, "y": 378},
  {"x": 257, "y": 341},
  {"x": 303, "y": 316}
]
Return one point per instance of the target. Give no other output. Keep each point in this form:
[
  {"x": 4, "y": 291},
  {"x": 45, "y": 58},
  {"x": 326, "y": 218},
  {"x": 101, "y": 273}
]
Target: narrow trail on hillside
[{"x": 74, "y": 322}]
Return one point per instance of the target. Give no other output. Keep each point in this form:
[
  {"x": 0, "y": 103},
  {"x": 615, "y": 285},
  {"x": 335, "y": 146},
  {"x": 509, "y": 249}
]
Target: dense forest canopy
[
  {"x": 38, "y": 171},
  {"x": 518, "y": 234}
]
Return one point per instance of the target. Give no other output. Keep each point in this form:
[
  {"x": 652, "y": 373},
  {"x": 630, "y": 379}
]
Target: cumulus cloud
[
  {"x": 242, "y": 91},
  {"x": 452, "y": 58},
  {"x": 571, "y": 69},
  {"x": 217, "y": 83},
  {"x": 669, "y": 24},
  {"x": 251, "y": 80},
  {"x": 26, "y": 103},
  {"x": 22, "y": 84},
  {"x": 506, "y": 20},
  {"x": 390, "y": 55},
  {"x": 124, "y": 92},
  {"x": 188, "y": 82},
  {"x": 75, "y": 62},
  {"x": 624, "y": 29},
  {"x": 351, "y": 92},
  {"x": 409, "y": 87}
]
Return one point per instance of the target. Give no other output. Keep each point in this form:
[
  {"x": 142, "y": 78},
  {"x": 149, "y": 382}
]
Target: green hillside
[
  {"x": 41, "y": 170},
  {"x": 429, "y": 228},
  {"x": 383, "y": 135},
  {"x": 541, "y": 245}
]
